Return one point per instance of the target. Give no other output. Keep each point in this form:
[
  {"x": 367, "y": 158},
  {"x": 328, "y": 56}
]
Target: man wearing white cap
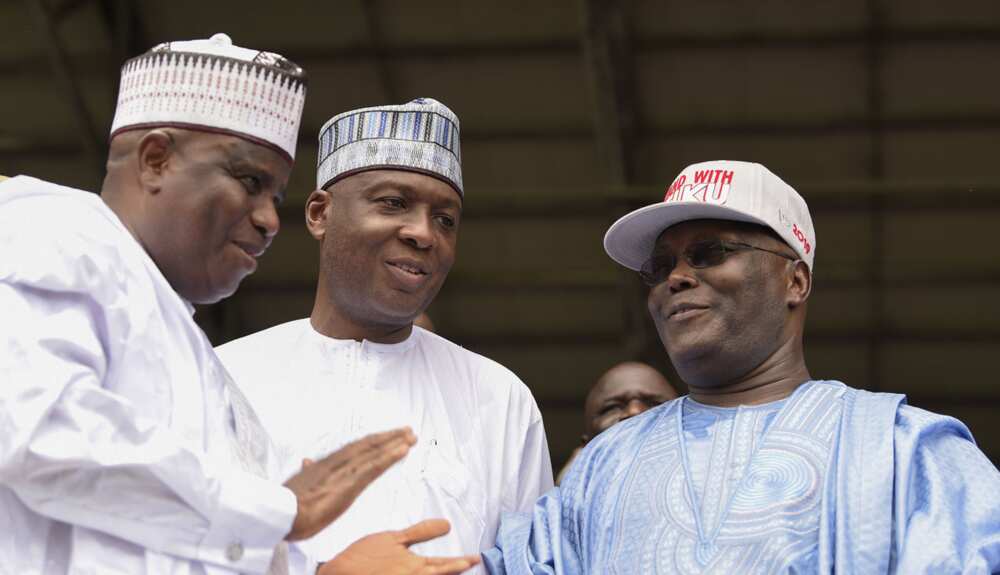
[
  {"x": 761, "y": 468},
  {"x": 124, "y": 445},
  {"x": 386, "y": 215}
]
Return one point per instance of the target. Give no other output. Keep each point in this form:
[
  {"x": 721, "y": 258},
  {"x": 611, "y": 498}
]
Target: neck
[
  {"x": 775, "y": 378},
  {"x": 118, "y": 202},
  {"x": 331, "y": 323}
]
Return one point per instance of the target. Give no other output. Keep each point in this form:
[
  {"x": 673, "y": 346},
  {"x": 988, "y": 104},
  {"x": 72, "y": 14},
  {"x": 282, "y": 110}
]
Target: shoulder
[
  {"x": 633, "y": 428},
  {"x": 922, "y": 429},
  {"x": 607, "y": 460},
  {"x": 269, "y": 340},
  {"x": 619, "y": 443},
  {"x": 60, "y": 238},
  {"x": 477, "y": 369}
]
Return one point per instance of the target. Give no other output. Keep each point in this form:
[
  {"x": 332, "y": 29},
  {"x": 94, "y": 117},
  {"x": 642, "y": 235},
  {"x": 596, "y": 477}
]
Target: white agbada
[
  {"x": 124, "y": 447},
  {"x": 481, "y": 447}
]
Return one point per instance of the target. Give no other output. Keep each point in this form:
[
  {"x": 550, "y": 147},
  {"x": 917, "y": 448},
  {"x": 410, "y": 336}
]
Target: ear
[
  {"x": 155, "y": 150},
  {"x": 317, "y": 212},
  {"x": 799, "y": 284}
]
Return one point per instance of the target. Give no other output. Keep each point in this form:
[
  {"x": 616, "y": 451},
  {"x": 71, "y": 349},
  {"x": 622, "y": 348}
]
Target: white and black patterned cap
[
  {"x": 420, "y": 136},
  {"x": 214, "y": 86}
]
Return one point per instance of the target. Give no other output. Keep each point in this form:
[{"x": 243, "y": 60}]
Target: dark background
[{"x": 884, "y": 114}]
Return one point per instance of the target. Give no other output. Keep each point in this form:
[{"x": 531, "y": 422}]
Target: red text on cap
[
  {"x": 802, "y": 238},
  {"x": 708, "y": 186}
]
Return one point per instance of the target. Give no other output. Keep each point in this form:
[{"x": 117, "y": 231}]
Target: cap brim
[{"x": 630, "y": 240}]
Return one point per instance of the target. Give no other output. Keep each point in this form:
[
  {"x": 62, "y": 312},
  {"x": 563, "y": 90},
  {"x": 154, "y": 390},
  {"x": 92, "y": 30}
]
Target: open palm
[{"x": 388, "y": 553}]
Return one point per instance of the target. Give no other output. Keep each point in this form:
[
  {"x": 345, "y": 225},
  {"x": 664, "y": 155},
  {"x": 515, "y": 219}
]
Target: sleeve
[
  {"x": 76, "y": 452},
  {"x": 533, "y": 468},
  {"x": 947, "y": 498},
  {"x": 534, "y": 542},
  {"x": 300, "y": 562}
]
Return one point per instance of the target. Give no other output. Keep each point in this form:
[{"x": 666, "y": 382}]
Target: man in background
[
  {"x": 386, "y": 213},
  {"x": 626, "y": 390}
]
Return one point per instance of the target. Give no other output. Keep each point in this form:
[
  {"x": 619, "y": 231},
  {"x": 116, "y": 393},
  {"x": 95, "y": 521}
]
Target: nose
[
  {"x": 265, "y": 218},
  {"x": 682, "y": 277},
  {"x": 634, "y": 407},
  {"x": 417, "y": 231}
]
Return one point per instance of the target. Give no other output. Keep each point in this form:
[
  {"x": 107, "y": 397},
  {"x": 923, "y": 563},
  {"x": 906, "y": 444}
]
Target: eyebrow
[
  {"x": 410, "y": 191},
  {"x": 239, "y": 160}
]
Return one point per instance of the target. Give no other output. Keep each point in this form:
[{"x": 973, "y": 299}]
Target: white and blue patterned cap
[{"x": 419, "y": 136}]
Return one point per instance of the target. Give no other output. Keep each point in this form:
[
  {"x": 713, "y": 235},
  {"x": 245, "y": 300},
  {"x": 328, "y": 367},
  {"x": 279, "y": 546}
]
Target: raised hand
[
  {"x": 325, "y": 488},
  {"x": 388, "y": 553}
]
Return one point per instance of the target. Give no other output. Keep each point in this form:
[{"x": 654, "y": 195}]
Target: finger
[
  {"x": 437, "y": 561},
  {"x": 306, "y": 462},
  {"x": 374, "y": 440},
  {"x": 424, "y": 531},
  {"x": 364, "y": 469},
  {"x": 449, "y": 565},
  {"x": 371, "y": 445},
  {"x": 348, "y": 481}
]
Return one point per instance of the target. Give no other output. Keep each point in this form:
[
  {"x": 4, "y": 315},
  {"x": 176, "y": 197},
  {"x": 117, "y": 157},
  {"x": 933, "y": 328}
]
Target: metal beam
[
  {"x": 570, "y": 48},
  {"x": 876, "y": 171},
  {"x": 607, "y": 53},
  {"x": 90, "y": 138},
  {"x": 125, "y": 30},
  {"x": 62, "y": 10},
  {"x": 837, "y": 126},
  {"x": 373, "y": 32}
]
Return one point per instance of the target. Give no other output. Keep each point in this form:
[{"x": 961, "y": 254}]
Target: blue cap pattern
[{"x": 422, "y": 135}]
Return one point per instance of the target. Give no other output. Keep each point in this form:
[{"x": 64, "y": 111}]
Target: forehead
[
  {"x": 626, "y": 380},
  {"x": 240, "y": 149},
  {"x": 419, "y": 186}
]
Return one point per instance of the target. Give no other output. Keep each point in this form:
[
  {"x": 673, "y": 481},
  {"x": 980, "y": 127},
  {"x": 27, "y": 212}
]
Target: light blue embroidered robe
[{"x": 884, "y": 488}]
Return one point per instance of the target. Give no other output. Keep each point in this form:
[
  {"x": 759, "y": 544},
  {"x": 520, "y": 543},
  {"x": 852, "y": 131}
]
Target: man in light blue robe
[{"x": 761, "y": 468}]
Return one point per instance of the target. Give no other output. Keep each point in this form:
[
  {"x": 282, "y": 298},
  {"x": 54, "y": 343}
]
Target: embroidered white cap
[
  {"x": 214, "y": 86},
  {"x": 420, "y": 136},
  {"x": 718, "y": 190}
]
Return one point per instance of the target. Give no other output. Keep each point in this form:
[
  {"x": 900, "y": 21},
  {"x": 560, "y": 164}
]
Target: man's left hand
[{"x": 388, "y": 553}]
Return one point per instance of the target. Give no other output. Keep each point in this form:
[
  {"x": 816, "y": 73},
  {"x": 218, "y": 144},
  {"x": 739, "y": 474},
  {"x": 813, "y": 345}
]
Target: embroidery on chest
[{"x": 768, "y": 514}]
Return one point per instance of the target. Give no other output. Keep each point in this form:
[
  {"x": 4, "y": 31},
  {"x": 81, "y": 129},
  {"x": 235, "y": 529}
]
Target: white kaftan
[
  {"x": 480, "y": 450},
  {"x": 124, "y": 447}
]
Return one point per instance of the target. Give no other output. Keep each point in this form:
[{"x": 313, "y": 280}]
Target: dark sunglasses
[{"x": 704, "y": 254}]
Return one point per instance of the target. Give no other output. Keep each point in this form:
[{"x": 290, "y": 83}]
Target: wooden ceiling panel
[
  {"x": 934, "y": 309},
  {"x": 521, "y": 168},
  {"x": 966, "y": 154},
  {"x": 405, "y": 22},
  {"x": 937, "y": 15},
  {"x": 275, "y": 26},
  {"x": 940, "y": 369},
  {"x": 721, "y": 18},
  {"x": 496, "y": 94},
  {"x": 942, "y": 81},
  {"x": 489, "y": 314},
  {"x": 688, "y": 88},
  {"x": 943, "y": 244},
  {"x": 795, "y": 157}
]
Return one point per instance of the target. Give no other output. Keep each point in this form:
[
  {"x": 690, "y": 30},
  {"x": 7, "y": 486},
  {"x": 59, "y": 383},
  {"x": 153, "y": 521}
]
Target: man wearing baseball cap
[
  {"x": 386, "y": 214},
  {"x": 125, "y": 447},
  {"x": 761, "y": 468}
]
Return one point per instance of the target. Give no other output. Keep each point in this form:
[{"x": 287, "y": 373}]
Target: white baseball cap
[{"x": 717, "y": 190}]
